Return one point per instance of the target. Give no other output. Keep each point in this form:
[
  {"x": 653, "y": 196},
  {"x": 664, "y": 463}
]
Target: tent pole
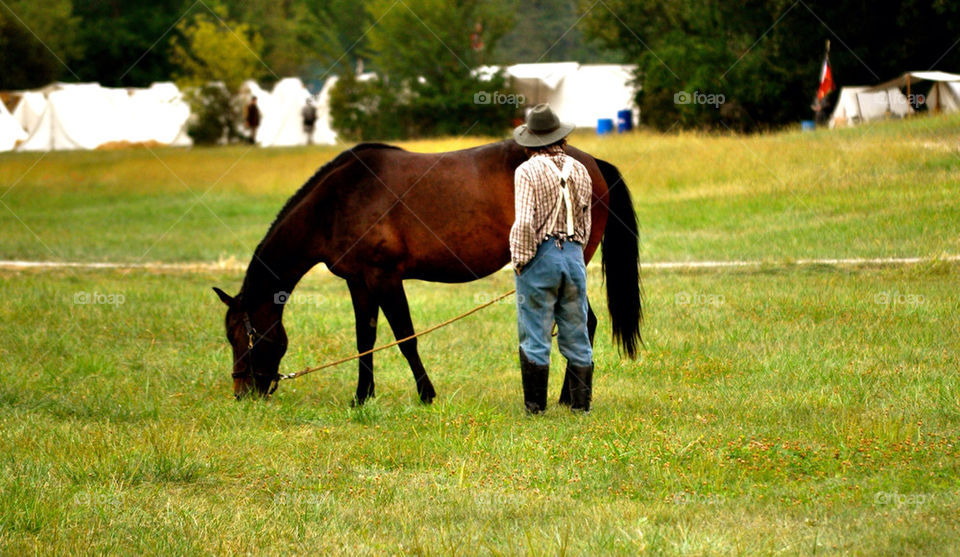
[{"x": 910, "y": 102}]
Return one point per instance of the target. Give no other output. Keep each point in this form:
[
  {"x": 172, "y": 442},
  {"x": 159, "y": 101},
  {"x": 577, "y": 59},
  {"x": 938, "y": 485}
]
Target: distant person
[
  {"x": 309, "y": 114},
  {"x": 253, "y": 119}
]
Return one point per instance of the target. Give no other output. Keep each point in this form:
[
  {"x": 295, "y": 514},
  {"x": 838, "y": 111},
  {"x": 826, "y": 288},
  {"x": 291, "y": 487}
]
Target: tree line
[{"x": 761, "y": 57}]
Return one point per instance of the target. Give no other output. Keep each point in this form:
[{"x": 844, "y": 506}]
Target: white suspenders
[{"x": 564, "y": 197}]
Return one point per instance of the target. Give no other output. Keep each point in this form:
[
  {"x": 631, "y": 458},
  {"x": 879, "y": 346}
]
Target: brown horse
[{"x": 377, "y": 215}]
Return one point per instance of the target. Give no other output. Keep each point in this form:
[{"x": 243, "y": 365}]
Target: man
[
  {"x": 253, "y": 119},
  {"x": 552, "y": 195},
  {"x": 309, "y": 115}
]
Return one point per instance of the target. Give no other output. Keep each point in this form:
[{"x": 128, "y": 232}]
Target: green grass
[
  {"x": 885, "y": 191},
  {"x": 784, "y": 409}
]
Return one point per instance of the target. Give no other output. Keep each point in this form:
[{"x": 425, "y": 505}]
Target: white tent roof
[
  {"x": 913, "y": 77},
  {"x": 10, "y": 130},
  {"x": 856, "y": 105}
]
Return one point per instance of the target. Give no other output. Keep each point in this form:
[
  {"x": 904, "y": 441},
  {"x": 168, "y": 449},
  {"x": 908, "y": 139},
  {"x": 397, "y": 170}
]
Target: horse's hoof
[
  {"x": 427, "y": 394},
  {"x": 358, "y": 402}
]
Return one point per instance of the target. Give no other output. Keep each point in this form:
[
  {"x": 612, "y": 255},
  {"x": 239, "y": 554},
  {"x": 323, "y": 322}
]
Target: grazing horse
[{"x": 377, "y": 215}]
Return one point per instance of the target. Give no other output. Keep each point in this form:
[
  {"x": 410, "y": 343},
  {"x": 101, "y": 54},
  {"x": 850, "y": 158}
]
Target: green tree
[
  {"x": 215, "y": 56},
  {"x": 425, "y": 52},
  {"x": 210, "y": 47},
  {"x": 550, "y": 31},
  {"x": 38, "y": 43},
  {"x": 305, "y": 37},
  {"x": 764, "y": 56},
  {"x": 123, "y": 40}
]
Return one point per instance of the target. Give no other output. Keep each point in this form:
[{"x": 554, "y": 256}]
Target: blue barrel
[
  {"x": 604, "y": 125},
  {"x": 808, "y": 125},
  {"x": 624, "y": 120}
]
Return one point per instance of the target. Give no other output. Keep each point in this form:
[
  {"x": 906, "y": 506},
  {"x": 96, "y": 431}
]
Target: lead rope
[{"x": 303, "y": 372}]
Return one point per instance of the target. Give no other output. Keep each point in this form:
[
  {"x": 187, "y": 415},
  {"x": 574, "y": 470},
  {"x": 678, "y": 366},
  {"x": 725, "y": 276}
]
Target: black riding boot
[
  {"x": 534, "y": 378},
  {"x": 565, "y": 396},
  {"x": 581, "y": 386}
]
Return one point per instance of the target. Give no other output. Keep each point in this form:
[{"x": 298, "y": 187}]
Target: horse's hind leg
[
  {"x": 393, "y": 300},
  {"x": 591, "y": 330},
  {"x": 365, "y": 311}
]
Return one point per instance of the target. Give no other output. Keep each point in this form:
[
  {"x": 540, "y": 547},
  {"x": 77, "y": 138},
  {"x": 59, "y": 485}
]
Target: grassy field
[{"x": 775, "y": 410}]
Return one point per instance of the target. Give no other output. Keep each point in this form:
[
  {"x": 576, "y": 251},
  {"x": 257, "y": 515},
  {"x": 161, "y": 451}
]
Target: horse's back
[{"x": 442, "y": 217}]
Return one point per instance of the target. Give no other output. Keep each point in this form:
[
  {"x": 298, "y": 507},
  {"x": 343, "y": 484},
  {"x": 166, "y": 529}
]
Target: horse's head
[{"x": 258, "y": 340}]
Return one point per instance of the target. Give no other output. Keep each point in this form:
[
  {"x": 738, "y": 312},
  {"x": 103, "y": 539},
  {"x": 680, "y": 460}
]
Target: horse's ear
[{"x": 224, "y": 297}]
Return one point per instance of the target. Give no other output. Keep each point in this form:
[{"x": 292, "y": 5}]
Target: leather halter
[{"x": 253, "y": 337}]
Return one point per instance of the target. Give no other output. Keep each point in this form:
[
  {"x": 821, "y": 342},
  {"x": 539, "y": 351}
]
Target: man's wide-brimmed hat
[{"x": 542, "y": 128}]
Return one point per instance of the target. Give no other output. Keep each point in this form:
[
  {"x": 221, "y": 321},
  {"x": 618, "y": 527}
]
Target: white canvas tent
[
  {"x": 72, "y": 119},
  {"x": 856, "y": 105},
  {"x": 86, "y": 116},
  {"x": 159, "y": 114},
  {"x": 944, "y": 97},
  {"x": 10, "y": 130},
  {"x": 323, "y": 133},
  {"x": 579, "y": 93},
  {"x": 29, "y": 110}
]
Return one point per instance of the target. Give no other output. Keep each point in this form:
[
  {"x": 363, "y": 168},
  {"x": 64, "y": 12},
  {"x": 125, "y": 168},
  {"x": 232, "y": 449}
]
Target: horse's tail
[{"x": 621, "y": 263}]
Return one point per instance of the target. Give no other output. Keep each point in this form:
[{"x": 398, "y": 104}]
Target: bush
[{"x": 216, "y": 115}]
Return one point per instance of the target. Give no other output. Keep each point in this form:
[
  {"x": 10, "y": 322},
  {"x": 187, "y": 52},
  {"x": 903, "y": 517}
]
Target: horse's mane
[{"x": 315, "y": 180}]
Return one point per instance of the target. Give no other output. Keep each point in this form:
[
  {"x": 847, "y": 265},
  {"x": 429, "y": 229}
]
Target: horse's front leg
[
  {"x": 365, "y": 311},
  {"x": 393, "y": 300}
]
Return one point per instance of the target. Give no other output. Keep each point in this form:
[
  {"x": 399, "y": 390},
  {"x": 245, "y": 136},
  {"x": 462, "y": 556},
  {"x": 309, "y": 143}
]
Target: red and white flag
[{"x": 826, "y": 79}]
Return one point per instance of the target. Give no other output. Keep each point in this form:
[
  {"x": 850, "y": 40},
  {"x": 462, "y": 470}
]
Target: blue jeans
[{"x": 553, "y": 287}]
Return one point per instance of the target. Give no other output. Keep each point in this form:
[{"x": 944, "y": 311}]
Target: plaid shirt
[{"x": 535, "y": 198}]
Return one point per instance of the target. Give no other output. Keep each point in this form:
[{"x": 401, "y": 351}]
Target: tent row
[
  {"x": 857, "y": 105},
  {"x": 66, "y": 116}
]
